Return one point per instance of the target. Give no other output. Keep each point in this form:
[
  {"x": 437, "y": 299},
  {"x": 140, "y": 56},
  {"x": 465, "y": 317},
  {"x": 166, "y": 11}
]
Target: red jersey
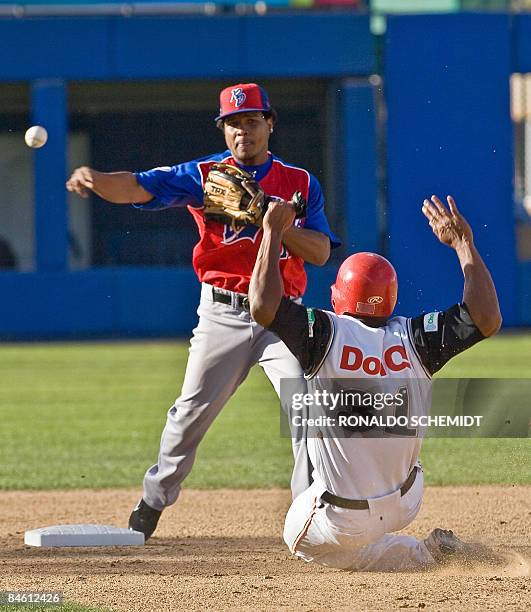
[{"x": 223, "y": 257}]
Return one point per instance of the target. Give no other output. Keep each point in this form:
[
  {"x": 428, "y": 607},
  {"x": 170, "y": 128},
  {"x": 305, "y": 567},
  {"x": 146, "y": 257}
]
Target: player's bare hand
[
  {"x": 279, "y": 216},
  {"x": 448, "y": 224},
  {"x": 81, "y": 181}
]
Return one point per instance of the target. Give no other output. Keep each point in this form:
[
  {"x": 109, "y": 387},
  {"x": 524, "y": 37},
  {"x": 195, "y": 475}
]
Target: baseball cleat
[
  {"x": 443, "y": 544},
  {"x": 144, "y": 518}
]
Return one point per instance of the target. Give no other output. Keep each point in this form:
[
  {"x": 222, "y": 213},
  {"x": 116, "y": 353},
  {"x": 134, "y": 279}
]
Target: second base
[{"x": 83, "y": 535}]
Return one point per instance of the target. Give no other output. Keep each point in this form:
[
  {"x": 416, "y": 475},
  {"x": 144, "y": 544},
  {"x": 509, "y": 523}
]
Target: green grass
[
  {"x": 90, "y": 415},
  {"x": 505, "y": 356}
]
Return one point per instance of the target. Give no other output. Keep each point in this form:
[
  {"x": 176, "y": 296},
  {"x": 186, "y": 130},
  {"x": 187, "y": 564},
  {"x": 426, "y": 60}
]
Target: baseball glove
[{"x": 233, "y": 196}]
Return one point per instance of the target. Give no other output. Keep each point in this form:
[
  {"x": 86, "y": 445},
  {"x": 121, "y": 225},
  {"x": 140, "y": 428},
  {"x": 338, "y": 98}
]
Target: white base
[{"x": 83, "y": 535}]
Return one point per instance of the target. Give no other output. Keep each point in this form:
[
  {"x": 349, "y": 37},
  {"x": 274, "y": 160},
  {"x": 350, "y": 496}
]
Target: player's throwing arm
[{"x": 115, "y": 187}]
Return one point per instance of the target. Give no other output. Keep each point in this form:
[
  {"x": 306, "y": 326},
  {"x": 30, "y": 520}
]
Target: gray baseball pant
[{"x": 225, "y": 345}]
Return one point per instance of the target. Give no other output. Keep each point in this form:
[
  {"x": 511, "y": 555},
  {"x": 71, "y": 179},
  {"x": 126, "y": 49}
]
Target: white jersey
[{"x": 368, "y": 465}]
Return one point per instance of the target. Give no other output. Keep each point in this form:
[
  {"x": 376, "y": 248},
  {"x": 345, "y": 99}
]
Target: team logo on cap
[
  {"x": 375, "y": 299},
  {"x": 237, "y": 97}
]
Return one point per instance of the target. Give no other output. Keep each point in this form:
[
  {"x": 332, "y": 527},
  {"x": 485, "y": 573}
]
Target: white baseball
[{"x": 36, "y": 136}]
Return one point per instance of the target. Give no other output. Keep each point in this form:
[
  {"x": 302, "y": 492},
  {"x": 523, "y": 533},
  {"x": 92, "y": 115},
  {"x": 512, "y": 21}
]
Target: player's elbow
[
  {"x": 489, "y": 324},
  {"x": 322, "y": 254},
  {"x": 262, "y": 308},
  {"x": 262, "y": 312},
  {"x": 493, "y": 326},
  {"x": 321, "y": 260},
  {"x": 485, "y": 313}
]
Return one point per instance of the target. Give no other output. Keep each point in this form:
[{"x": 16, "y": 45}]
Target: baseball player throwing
[
  {"x": 366, "y": 486},
  {"x": 226, "y": 195}
]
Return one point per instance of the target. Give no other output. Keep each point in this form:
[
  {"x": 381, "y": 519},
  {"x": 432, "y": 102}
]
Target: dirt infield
[{"x": 223, "y": 550}]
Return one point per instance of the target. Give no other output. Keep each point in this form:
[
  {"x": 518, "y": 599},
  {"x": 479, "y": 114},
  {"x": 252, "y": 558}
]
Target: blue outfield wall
[
  {"x": 99, "y": 302},
  {"x": 114, "y": 302},
  {"x": 131, "y": 302},
  {"x": 358, "y": 155},
  {"x": 287, "y": 45},
  {"x": 521, "y": 36},
  {"x": 54, "y": 302},
  {"x": 524, "y": 293},
  {"x": 450, "y": 131},
  {"x": 49, "y": 108}
]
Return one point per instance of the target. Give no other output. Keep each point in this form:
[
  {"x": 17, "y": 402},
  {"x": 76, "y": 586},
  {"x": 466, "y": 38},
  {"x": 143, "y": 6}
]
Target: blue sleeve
[
  {"x": 315, "y": 216},
  {"x": 172, "y": 186}
]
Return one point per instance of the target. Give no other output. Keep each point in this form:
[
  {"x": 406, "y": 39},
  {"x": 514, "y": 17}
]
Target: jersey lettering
[
  {"x": 393, "y": 365},
  {"x": 352, "y": 359},
  {"x": 230, "y": 236},
  {"x": 249, "y": 232}
]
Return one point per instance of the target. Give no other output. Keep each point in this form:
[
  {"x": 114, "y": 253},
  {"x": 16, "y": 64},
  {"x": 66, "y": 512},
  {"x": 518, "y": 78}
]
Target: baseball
[{"x": 36, "y": 137}]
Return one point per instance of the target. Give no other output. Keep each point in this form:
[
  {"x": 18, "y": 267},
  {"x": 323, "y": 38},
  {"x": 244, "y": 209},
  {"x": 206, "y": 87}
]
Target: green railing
[{"x": 446, "y": 6}]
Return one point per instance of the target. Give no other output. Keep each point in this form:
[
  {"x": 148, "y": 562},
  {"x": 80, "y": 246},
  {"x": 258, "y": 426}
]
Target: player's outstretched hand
[
  {"x": 448, "y": 224},
  {"x": 279, "y": 216},
  {"x": 81, "y": 181}
]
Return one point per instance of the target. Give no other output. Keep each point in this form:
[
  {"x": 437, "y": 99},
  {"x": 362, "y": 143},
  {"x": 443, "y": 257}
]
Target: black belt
[
  {"x": 242, "y": 301},
  {"x": 363, "y": 504}
]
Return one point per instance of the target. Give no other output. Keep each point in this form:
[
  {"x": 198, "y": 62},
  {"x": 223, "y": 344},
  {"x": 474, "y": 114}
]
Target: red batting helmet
[{"x": 366, "y": 286}]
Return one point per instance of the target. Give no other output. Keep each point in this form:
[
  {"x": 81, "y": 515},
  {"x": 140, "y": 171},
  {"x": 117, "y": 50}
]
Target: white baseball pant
[
  {"x": 357, "y": 539},
  {"x": 225, "y": 345}
]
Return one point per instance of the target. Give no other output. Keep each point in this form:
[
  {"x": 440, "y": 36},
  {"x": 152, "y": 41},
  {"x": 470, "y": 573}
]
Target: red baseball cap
[{"x": 242, "y": 98}]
